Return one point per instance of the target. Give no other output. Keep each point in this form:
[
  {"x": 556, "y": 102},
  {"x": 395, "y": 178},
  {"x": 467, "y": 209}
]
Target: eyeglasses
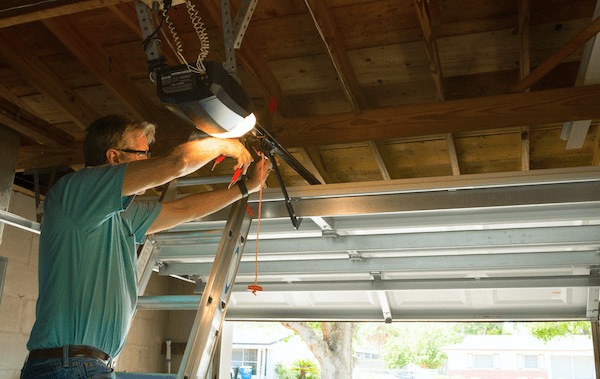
[{"x": 140, "y": 153}]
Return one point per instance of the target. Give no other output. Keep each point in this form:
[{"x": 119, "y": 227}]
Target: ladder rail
[{"x": 215, "y": 299}]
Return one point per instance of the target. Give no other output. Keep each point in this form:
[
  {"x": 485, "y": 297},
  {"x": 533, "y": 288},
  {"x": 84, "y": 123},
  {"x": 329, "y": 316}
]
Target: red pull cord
[{"x": 254, "y": 288}]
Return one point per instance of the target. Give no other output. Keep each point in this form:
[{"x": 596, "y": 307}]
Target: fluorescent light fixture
[{"x": 214, "y": 102}]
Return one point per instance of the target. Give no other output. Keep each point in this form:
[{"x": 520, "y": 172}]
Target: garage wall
[
  {"x": 17, "y": 307},
  {"x": 142, "y": 351}
]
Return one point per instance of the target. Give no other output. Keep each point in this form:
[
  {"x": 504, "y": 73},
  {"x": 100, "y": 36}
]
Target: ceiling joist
[
  {"x": 502, "y": 111},
  {"x": 339, "y": 58},
  {"x": 567, "y": 49}
]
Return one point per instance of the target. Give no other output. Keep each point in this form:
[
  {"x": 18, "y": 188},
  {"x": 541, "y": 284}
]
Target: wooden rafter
[
  {"x": 313, "y": 161},
  {"x": 256, "y": 67},
  {"x": 525, "y": 65},
  {"x": 20, "y": 12},
  {"x": 422, "y": 8},
  {"x": 32, "y": 126},
  {"x": 452, "y": 153},
  {"x": 47, "y": 82},
  {"x": 108, "y": 71},
  {"x": 339, "y": 58},
  {"x": 427, "y": 20},
  {"x": 567, "y": 49},
  {"x": 379, "y": 159},
  {"x": 538, "y": 107}
]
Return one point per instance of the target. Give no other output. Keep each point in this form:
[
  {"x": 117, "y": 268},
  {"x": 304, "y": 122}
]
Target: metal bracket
[
  {"x": 228, "y": 35},
  {"x": 233, "y": 33},
  {"x": 152, "y": 49},
  {"x": 354, "y": 255},
  {"x": 241, "y": 21}
]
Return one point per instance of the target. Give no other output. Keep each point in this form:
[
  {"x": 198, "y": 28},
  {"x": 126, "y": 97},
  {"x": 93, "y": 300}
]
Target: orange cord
[{"x": 256, "y": 287}]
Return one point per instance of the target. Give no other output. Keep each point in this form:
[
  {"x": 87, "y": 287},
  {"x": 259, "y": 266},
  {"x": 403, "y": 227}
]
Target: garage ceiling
[{"x": 452, "y": 187}]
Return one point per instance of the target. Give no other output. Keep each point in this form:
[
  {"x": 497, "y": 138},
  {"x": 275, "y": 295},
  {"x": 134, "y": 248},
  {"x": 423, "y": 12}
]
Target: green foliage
[
  {"x": 284, "y": 373},
  {"x": 306, "y": 367},
  {"x": 300, "y": 368},
  {"x": 419, "y": 343},
  {"x": 546, "y": 331}
]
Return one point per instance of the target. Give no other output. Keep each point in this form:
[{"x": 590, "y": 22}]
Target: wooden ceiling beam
[
  {"x": 339, "y": 58},
  {"x": 379, "y": 159},
  {"x": 525, "y": 67},
  {"x": 567, "y": 49},
  {"x": 453, "y": 155},
  {"x": 429, "y": 35},
  {"x": 108, "y": 71},
  {"x": 502, "y": 111},
  {"x": 427, "y": 13},
  {"x": 315, "y": 164},
  {"x": 32, "y": 126},
  {"x": 256, "y": 67},
  {"x": 40, "y": 76},
  {"x": 19, "y": 12},
  {"x": 36, "y": 156}
]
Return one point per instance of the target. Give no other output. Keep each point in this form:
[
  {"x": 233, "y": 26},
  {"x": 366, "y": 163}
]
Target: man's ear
[{"x": 112, "y": 156}]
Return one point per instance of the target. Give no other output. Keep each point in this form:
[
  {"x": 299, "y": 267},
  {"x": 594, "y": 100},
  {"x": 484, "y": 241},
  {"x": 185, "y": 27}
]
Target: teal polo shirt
[{"x": 88, "y": 261}]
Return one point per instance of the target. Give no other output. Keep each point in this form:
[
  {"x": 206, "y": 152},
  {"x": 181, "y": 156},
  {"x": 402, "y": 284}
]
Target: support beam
[
  {"x": 312, "y": 159},
  {"x": 429, "y": 36},
  {"x": 379, "y": 159},
  {"x": 339, "y": 58},
  {"x": 35, "y": 10},
  {"x": 101, "y": 64},
  {"x": 502, "y": 111},
  {"x": 567, "y": 49},
  {"x": 524, "y": 65},
  {"x": 453, "y": 155}
]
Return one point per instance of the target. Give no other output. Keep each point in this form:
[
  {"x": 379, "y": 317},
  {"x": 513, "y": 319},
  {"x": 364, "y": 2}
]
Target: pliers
[{"x": 236, "y": 174}]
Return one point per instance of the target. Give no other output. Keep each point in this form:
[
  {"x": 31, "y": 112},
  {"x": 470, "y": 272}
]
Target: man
[{"x": 87, "y": 255}]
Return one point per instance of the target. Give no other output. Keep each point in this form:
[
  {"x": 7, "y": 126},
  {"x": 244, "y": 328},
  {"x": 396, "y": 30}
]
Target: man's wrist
[{"x": 243, "y": 189}]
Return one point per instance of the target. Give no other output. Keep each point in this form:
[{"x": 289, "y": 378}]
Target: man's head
[{"x": 117, "y": 139}]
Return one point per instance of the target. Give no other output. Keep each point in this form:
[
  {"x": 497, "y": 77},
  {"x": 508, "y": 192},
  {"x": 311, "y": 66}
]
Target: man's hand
[
  {"x": 235, "y": 149},
  {"x": 253, "y": 184}
]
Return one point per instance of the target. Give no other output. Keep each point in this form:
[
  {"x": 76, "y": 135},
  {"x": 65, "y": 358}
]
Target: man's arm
[
  {"x": 183, "y": 160},
  {"x": 199, "y": 205}
]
